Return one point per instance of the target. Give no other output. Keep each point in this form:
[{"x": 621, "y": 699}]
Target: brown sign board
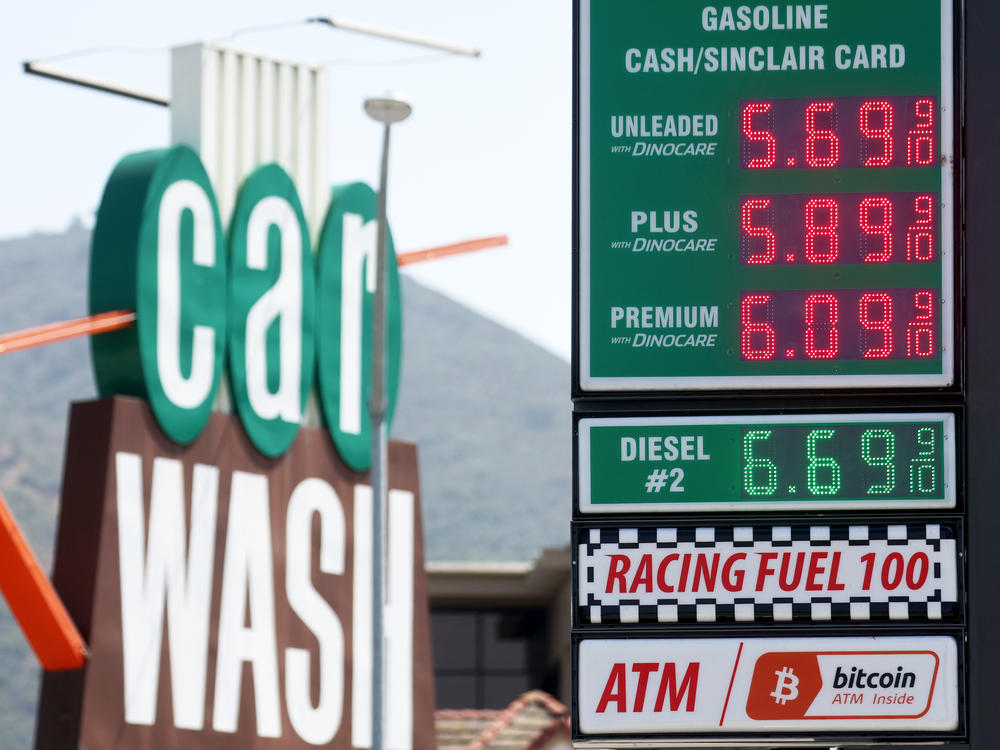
[{"x": 225, "y": 597}]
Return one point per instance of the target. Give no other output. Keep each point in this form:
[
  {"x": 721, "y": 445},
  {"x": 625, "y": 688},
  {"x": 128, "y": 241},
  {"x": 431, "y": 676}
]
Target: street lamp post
[{"x": 387, "y": 110}]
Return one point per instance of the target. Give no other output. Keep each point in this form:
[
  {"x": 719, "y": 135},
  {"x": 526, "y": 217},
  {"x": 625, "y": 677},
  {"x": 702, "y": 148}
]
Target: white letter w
[{"x": 162, "y": 577}]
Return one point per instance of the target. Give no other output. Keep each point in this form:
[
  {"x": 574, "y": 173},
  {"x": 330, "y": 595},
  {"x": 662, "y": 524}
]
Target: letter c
[{"x": 632, "y": 64}]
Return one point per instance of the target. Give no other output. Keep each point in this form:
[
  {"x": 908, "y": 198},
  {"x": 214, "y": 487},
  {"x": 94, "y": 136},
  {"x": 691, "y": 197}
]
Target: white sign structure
[
  {"x": 779, "y": 573},
  {"x": 698, "y": 685},
  {"x": 239, "y": 110}
]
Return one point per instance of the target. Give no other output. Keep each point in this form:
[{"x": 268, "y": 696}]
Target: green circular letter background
[
  {"x": 272, "y": 437},
  {"x": 355, "y": 448},
  {"x": 123, "y": 276}
]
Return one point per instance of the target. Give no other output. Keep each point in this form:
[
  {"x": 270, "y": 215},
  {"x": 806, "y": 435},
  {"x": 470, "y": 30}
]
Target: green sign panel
[
  {"x": 344, "y": 344},
  {"x": 766, "y": 195},
  {"x": 776, "y": 462},
  {"x": 158, "y": 250},
  {"x": 272, "y": 309},
  {"x": 257, "y": 298}
]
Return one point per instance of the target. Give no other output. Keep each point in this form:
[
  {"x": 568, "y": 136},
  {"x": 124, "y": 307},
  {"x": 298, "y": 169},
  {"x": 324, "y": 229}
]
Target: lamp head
[{"x": 388, "y": 109}]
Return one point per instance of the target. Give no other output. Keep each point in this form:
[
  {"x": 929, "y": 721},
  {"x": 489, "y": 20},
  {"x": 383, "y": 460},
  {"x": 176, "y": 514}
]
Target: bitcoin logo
[{"x": 787, "y": 687}]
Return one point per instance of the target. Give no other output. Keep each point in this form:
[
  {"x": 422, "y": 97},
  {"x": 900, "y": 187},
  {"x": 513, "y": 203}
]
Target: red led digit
[
  {"x": 920, "y": 139},
  {"x": 759, "y": 136},
  {"x": 876, "y": 125},
  {"x": 924, "y": 110},
  {"x": 826, "y": 229},
  {"x": 875, "y": 220},
  {"x": 920, "y": 235},
  {"x": 816, "y": 136},
  {"x": 822, "y": 217},
  {"x": 875, "y": 314},
  {"x": 752, "y": 331},
  {"x": 877, "y": 325},
  {"x": 830, "y": 308},
  {"x": 923, "y": 302},
  {"x": 873, "y": 132},
  {"x": 920, "y": 338},
  {"x": 750, "y": 230}
]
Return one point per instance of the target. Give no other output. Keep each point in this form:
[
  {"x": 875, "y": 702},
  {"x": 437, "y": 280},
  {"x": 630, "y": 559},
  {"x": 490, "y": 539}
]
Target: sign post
[{"x": 768, "y": 376}]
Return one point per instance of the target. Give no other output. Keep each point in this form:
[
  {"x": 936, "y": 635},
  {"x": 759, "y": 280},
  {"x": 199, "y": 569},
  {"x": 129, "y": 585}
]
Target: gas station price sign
[
  {"x": 772, "y": 462},
  {"x": 765, "y": 195}
]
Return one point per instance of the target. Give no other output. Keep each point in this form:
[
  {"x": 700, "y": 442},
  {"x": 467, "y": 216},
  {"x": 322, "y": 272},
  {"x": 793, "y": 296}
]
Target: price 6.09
[{"x": 838, "y": 324}]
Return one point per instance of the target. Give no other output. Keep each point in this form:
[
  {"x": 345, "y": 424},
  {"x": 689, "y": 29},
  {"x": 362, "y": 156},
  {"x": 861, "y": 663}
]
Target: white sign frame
[
  {"x": 584, "y": 465},
  {"x": 717, "y": 699},
  {"x": 763, "y": 573},
  {"x": 948, "y": 300}
]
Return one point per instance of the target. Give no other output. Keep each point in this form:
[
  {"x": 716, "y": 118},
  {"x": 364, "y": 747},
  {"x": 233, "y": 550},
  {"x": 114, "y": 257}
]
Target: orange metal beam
[
  {"x": 68, "y": 329},
  {"x": 433, "y": 253},
  {"x": 116, "y": 319},
  {"x": 34, "y": 603}
]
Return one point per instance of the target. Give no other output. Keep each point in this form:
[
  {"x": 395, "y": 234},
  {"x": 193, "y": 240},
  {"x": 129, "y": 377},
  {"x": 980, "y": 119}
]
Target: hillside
[
  {"x": 489, "y": 410},
  {"x": 490, "y": 413}
]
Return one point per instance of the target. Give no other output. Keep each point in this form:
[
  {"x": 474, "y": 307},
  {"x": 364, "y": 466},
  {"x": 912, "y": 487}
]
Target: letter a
[
  {"x": 614, "y": 690},
  {"x": 247, "y": 583}
]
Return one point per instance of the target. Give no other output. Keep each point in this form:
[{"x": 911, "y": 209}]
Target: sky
[{"x": 487, "y": 150}]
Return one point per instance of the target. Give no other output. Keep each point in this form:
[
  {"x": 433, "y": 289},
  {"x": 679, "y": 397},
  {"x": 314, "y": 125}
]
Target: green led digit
[
  {"x": 821, "y": 462},
  {"x": 927, "y": 439},
  {"x": 753, "y": 464},
  {"x": 923, "y": 468},
  {"x": 887, "y": 461}
]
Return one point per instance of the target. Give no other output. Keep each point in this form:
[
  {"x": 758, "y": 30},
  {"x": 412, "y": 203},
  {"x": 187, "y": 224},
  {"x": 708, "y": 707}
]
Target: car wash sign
[
  {"x": 219, "y": 567},
  {"x": 225, "y": 598},
  {"x": 253, "y": 299}
]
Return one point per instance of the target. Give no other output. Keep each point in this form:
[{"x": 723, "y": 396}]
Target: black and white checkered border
[
  {"x": 780, "y": 609},
  {"x": 777, "y": 536}
]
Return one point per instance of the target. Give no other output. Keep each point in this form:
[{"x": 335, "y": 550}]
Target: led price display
[
  {"x": 873, "y": 324},
  {"x": 816, "y": 461},
  {"x": 766, "y": 203},
  {"x": 843, "y": 460},
  {"x": 893, "y": 131},
  {"x": 844, "y": 228}
]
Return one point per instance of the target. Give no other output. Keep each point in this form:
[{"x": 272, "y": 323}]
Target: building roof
[
  {"x": 499, "y": 583},
  {"x": 531, "y": 722}
]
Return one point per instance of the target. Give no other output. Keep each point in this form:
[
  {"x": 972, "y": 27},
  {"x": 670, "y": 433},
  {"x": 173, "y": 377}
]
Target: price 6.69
[{"x": 842, "y": 461}]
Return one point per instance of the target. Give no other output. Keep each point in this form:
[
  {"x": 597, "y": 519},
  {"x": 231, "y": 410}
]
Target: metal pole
[
  {"x": 33, "y": 67},
  {"x": 396, "y": 35},
  {"x": 377, "y": 408}
]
